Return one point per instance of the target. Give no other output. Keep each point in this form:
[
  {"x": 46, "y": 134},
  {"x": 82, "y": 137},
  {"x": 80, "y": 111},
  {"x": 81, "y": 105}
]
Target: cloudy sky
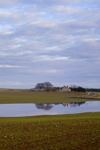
[{"x": 56, "y": 41}]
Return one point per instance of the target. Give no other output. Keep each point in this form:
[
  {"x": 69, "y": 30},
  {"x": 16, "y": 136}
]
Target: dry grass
[{"x": 98, "y": 94}]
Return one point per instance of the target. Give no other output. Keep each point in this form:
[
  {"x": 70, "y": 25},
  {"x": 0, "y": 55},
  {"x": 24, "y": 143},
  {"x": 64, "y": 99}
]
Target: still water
[{"x": 30, "y": 109}]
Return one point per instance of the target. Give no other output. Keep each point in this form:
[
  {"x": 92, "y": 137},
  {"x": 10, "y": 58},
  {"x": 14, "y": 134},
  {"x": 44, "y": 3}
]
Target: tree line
[
  {"x": 78, "y": 89},
  {"x": 92, "y": 90},
  {"x": 47, "y": 86}
]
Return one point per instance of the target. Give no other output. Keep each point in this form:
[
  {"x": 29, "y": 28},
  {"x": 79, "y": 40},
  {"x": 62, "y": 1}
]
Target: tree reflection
[
  {"x": 48, "y": 106},
  {"x": 44, "y": 106},
  {"x": 76, "y": 104}
]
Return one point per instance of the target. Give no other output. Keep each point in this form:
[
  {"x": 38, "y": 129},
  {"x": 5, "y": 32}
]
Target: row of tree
[
  {"x": 78, "y": 89},
  {"x": 92, "y": 90},
  {"x": 47, "y": 86}
]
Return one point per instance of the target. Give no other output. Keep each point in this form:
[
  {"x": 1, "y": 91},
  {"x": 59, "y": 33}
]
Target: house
[{"x": 66, "y": 89}]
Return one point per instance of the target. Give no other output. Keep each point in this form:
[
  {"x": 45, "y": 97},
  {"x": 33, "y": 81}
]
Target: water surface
[{"x": 30, "y": 109}]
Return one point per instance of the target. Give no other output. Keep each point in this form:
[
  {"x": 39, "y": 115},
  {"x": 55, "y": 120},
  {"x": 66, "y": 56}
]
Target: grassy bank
[
  {"x": 97, "y": 94},
  {"x": 64, "y": 132},
  {"x": 21, "y": 96}
]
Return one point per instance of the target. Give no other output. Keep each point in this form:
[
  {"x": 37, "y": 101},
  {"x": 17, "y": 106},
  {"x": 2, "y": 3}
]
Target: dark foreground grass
[
  {"x": 41, "y": 97},
  {"x": 64, "y": 132}
]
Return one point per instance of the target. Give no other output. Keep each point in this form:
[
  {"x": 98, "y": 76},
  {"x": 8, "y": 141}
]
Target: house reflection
[
  {"x": 48, "y": 106},
  {"x": 65, "y": 104}
]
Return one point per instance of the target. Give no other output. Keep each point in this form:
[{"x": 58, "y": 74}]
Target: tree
[
  {"x": 48, "y": 86},
  {"x": 43, "y": 86},
  {"x": 39, "y": 86}
]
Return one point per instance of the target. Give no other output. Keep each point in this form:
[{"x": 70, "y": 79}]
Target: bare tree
[
  {"x": 48, "y": 86},
  {"x": 43, "y": 86},
  {"x": 39, "y": 86}
]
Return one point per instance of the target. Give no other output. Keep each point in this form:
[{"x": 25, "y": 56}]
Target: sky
[{"x": 56, "y": 41}]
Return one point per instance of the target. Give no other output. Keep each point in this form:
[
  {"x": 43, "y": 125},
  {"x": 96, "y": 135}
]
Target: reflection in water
[
  {"x": 76, "y": 104},
  {"x": 44, "y": 106},
  {"x": 30, "y": 109},
  {"x": 49, "y": 106}
]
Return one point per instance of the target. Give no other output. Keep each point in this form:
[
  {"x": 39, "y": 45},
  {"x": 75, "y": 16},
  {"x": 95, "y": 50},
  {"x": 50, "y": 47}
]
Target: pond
[{"x": 30, "y": 109}]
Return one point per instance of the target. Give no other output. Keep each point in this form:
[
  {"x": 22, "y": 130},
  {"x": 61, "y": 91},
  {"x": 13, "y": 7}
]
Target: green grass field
[
  {"x": 22, "y": 96},
  {"x": 62, "y": 132}
]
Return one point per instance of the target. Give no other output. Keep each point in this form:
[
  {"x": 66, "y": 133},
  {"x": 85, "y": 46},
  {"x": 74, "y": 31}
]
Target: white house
[{"x": 66, "y": 89}]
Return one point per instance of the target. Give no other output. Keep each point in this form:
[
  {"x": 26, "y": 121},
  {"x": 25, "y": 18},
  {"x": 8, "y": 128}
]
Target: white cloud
[
  {"x": 52, "y": 2},
  {"x": 52, "y": 71},
  {"x": 8, "y": 3},
  {"x": 11, "y": 83},
  {"x": 9, "y": 66}
]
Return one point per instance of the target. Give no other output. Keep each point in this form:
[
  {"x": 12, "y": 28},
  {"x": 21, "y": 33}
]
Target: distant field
[
  {"x": 25, "y": 96},
  {"x": 64, "y": 132}
]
